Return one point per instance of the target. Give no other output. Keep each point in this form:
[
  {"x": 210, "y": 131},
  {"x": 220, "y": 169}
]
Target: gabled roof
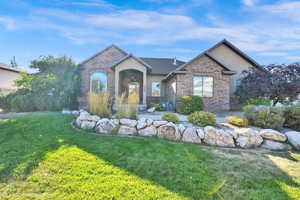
[
  {"x": 97, "y": 54},
  {"x": 8, "y": 68},
  {"x": 162, "y": 65},
  {"x": 226, "y": 69},
  {"x": 131, "y": 56},
  {"x": 236, "y": 50}
]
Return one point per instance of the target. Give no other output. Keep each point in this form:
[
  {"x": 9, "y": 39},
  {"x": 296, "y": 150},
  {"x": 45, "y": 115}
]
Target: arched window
[{"x": 98, "y": 82}]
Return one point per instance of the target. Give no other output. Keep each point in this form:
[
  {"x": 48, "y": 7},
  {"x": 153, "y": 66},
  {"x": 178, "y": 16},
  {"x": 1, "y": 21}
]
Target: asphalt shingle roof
[{"x": 162, "y": 65}]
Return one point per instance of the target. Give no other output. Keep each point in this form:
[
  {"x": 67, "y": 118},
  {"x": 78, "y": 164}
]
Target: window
[
  {"x": 98, "y": 82},
  {"x": 203, "y": 86},
  {"x": 156, "y": 89}
]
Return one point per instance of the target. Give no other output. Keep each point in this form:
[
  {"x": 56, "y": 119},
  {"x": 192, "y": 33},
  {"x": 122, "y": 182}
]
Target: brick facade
[
  {"x": 204, "y": 66},
  {"x": 99, "y": 63}
]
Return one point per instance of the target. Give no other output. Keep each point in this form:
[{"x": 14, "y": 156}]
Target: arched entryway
[{"x": 131, "y": 80}]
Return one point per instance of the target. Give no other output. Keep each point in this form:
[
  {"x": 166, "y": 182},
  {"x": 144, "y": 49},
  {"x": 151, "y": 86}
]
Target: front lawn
[{"x": 43, "y": 157}]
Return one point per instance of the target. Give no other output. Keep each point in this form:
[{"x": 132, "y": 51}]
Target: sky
[{"x": 266, "y": 30}]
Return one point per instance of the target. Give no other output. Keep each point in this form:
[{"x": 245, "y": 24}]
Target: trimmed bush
[
  {"x": 170, "y": 117},
  {"x": 238, "y": 121},
  {"x": 292, "y": 117},
  {"x": 158, "y": 106},
  {"x": 264, "y": 116},
  {"x": 259, "y": 101},
  {"x": 190, "y": 104},
  {"x": 202, "y": 118}
]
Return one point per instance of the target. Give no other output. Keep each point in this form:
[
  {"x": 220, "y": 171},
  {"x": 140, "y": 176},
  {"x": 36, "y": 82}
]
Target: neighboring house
[
  {"x": 7, "y": 77},
  {"x": 212, "y": 75}
]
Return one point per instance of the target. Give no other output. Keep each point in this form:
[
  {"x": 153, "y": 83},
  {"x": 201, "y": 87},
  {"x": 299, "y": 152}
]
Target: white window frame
[
  {"x": 91, "y": 80},
  {"x": 202, "y": 95},
  {"x": 156, "y": 82}
]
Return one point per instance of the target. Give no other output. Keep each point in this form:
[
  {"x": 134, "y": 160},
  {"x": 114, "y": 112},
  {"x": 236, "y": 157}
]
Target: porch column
[
  {"x": 117, "y": 73},
  {"x": 144, "y": 86}
]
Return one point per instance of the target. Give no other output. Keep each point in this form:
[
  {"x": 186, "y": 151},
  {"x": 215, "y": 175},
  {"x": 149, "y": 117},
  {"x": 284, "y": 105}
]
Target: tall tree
[{"x": 280, "y": 83}]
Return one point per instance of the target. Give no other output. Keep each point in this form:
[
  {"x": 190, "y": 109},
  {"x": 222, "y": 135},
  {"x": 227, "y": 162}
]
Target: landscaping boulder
[
  {"x": 217, "y": 137},
  {"x": 271, "y": 134},
  {"x": 181, "y": 128},
  {"x": 104, "y": 126},
  {"x": 128, "y": 122},
  {"x": 151, "y": 110},
  {"x": 248, "y": 138},
  {"x": 115, "y": 121},
  {"x": 169, "y": 131},
  {"x": 149, "y": 122},
  {"x": 66, "y": 112},
  {"x": 200, "y": 132},
  {"x": 126, "y": 130},
  {"x": 141, "y": 123},
  {"x": 148, "y": 131},
  {"x": 88, "y": 125},
  {"x": 75, "y": 112},
  {"x": 159, "y": 123},
  {"x": 294, "y": 138},
  {"x": 278, "y": 146},
  {"x": 190, "y": 135}
]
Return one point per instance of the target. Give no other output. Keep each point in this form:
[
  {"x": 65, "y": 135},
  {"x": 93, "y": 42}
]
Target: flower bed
[{"x": 222, "y": 135}]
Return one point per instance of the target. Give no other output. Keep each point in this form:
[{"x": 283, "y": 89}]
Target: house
[
  {"x": 7, "y": 77},
  {"x": 213, "y": 75}
]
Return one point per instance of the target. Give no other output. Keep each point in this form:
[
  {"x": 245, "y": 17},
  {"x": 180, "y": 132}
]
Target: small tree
[
  {"x": 279, "y": 83},
  {"x": 13, "y": 62}
]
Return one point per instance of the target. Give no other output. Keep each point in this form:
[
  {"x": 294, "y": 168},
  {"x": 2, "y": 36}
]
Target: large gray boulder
[
  {"x": 271, "y": 134},
  {"x": 294, "y": 138},
  {"x": 277, "y": 146},
  {"x": 148, "y": 131},
  {"x": 149, "y": 122},
  {"x": 159, "y": 123},
  {"x": 128, "y": 122},
  {"x": 88, "y": 125},
  {"x": 126, "y": 130},
  {"x": 190, "y": 135},
  {"x": 248, "y": 138},
  {"x": 217, "y": 137},
  {"x": 169, "y": 131},
  {"x": 104, "y": 126},
  {"x": 200, "y": 133},
  {"x": 141, "y": 123},
  {"x": 85, "y": 118},
  {"x": 181, "y": 128}
]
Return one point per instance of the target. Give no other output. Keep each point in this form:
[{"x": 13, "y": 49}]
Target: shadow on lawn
[{"x": 181, "y": 168}]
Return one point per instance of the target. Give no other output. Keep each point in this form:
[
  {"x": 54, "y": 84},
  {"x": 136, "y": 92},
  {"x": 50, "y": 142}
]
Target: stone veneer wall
[
  {"x": 99, "y": 63},
  {"x": 204, "y": 66}
]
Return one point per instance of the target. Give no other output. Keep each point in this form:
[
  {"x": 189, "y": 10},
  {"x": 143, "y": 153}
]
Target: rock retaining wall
[{"x": 223, "y": 135}]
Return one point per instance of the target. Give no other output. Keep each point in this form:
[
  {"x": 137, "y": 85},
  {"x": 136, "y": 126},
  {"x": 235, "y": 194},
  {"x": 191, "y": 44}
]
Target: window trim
[
  {"x": 213, "y": 84},
  {"x": 90, "y": 77},
  {"x": 159, "y": 82}
]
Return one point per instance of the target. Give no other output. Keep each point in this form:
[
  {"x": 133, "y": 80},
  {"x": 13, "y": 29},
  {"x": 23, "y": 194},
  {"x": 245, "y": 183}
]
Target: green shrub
[
  {"x": 100, "y": 104},
  {"x": 238, "y": 121},
  {"x": 292, "y": 117},
  {"x": 259, "y": 101},
  {"x": 170, "y": 117},
  {"x": 190, "y": 104},
  {"x": 158, "y": 106},
  {"x": 22, "y": 103},
  {"x": 202, "y": 118},
  {"x": 264, "y": 116}
]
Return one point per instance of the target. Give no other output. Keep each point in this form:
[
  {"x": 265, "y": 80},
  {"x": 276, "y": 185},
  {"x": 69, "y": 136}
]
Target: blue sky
[{"x": 267, "y": 30}]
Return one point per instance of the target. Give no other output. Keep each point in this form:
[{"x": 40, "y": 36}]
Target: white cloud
[
  {"x": 175, "y": 50},
  {"x": 249, "y": 2},
  {"x": 9, "y": 23},
  {"x": 294, "y": 58},
  {"x": 272, "y": 54},
  {"x": 286, "y": 9}
]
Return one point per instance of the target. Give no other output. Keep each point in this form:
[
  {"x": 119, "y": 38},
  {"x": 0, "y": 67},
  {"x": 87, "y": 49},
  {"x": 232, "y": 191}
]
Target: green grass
[{"x": 43, "y": 157}]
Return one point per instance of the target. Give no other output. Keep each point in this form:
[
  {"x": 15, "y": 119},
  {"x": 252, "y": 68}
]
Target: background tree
[
  {"x": 279, "y": 83},
  {"x": 13, "y": 62}
]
